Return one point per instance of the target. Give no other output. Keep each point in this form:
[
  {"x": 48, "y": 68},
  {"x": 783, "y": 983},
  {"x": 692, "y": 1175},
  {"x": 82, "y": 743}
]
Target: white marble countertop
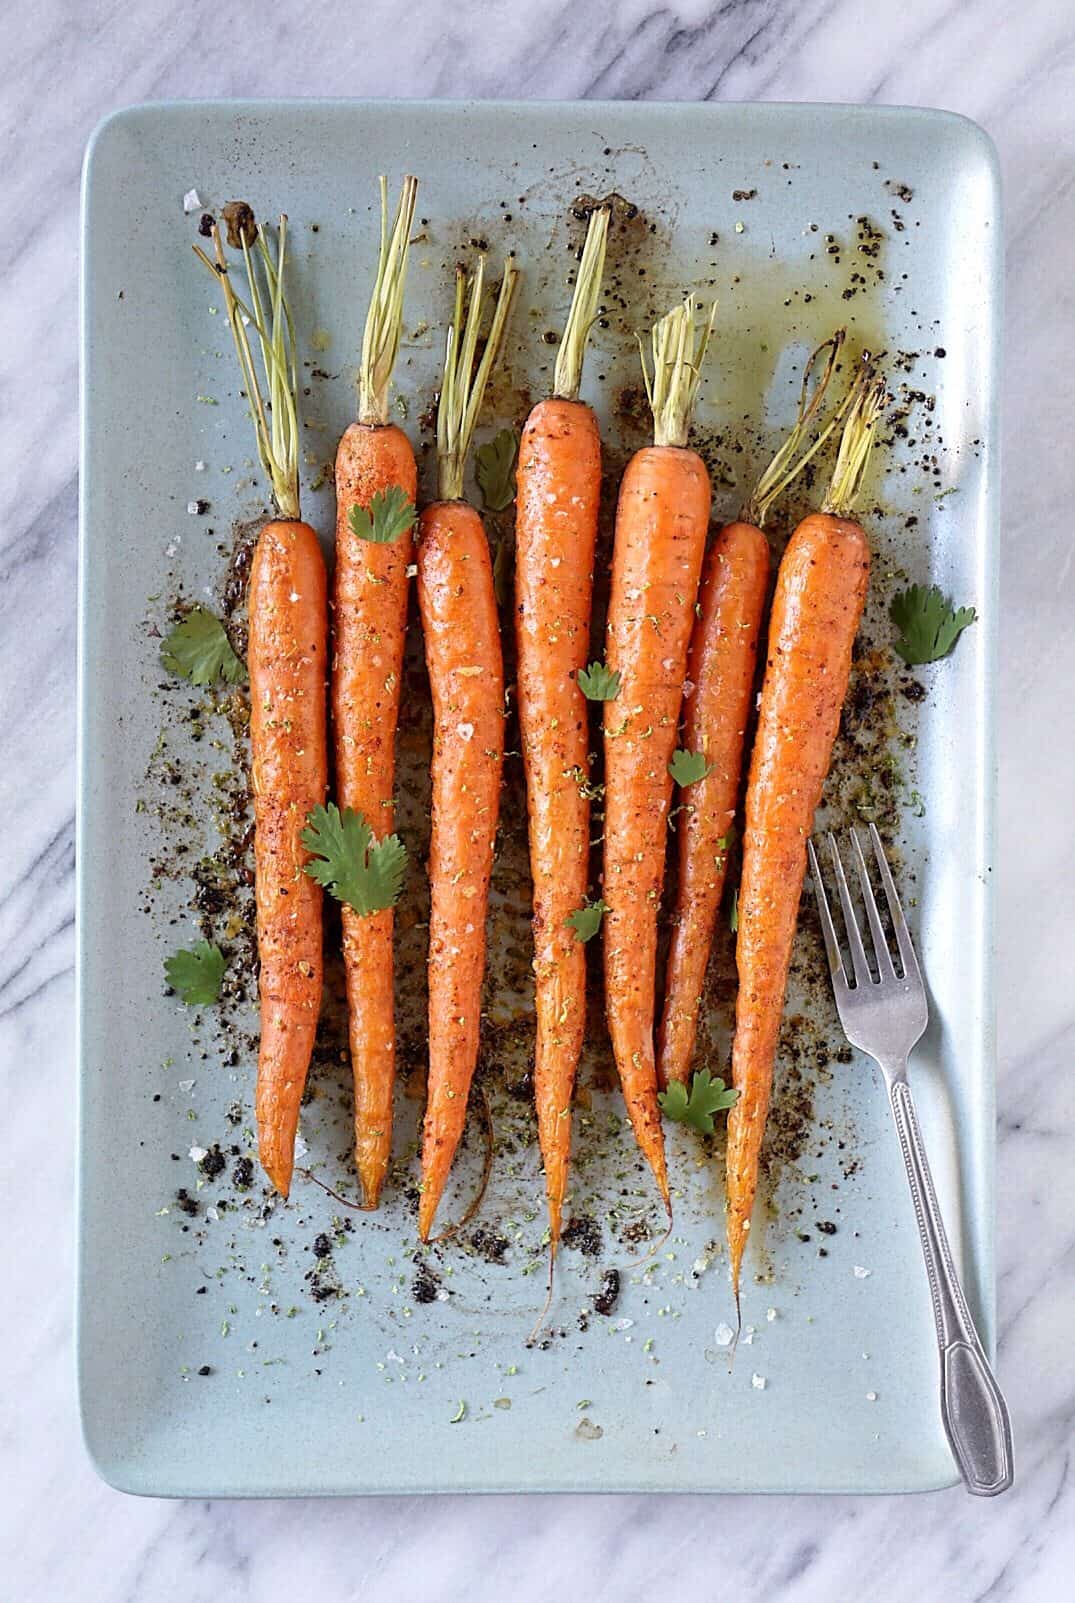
[{"x": 64, "y": 1533}]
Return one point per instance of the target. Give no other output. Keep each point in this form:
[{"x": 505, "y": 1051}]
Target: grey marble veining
[{"x": 64, "y": 1533}]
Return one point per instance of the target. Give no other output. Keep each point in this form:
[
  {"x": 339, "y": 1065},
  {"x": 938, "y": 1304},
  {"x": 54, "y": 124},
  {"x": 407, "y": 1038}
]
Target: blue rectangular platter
[{"x": 222, "y": 1350}]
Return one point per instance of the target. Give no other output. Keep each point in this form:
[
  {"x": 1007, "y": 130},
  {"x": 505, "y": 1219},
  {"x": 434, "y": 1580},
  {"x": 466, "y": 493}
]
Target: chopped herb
[
  {"x": 198, "y": 649},
  {"x": 733, "y": 911},
  {"x": 350, "y": 864},
  {"x": 586, "y": 920},
  {"x": 599, "y": 683},
  {"x": 929, "y": 625},
  {"x": 696, "y": 1108},
  {"x": 196, "y": 975},
  {"x": 460, "y": 1414},
  {"x": 390, "y": 514},
  {"x": 688, "y": 767},
  {"x": 495, "y": 466}
]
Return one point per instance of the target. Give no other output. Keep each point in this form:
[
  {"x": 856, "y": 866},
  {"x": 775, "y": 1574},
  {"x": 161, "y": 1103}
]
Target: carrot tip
[{"x": 547, "y": 1304}]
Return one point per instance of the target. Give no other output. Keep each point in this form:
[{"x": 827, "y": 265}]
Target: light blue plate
[{"x": 372, "y": 1390}]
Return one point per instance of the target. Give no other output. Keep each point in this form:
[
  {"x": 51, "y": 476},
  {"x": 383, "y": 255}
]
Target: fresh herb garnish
[
  {"x": 928, "y": 623},
  {"x": 347, "y": 861},
  {"x": 495, "y": 466},
  {"x": 696, "y": 1108},
  {"x": 688, "y": 767},
  {"x": 196, "y": 975},
  {"x": 586, "y": 920},
  {"x": 599, "y": 683},
  {"x": 391, "y": 513},
  {"x": 198, "y": 649},
  {"x": 733, "y": 912}
]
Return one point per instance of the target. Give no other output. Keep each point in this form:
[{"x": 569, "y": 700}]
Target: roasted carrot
[
  {"x": 721, "y": 669},
  {"x": 287, "y": 661},
  {"x": 820, "y": 592},
  {"x": 661, "y": 522},
  {"x": 466, "y": 677},
  {"x": 376, "y": 485},
  {"x": 559, "y": 490}
]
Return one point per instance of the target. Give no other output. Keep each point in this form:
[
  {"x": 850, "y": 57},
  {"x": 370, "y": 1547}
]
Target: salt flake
[
  {"x": 861, "y": 1273},
  {"x": 723, "y": 1335},
  {"x": 192, "y": 201},
  {"x": 197, "y": 1154},
  {"x": 758, "y": 1382}
]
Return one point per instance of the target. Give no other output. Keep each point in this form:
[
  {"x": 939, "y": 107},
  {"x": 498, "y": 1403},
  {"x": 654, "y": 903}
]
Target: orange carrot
[
  {"x": 466, "y": 676},
  {"x": 287, "y": 661},
  {"x": 820, "y": 592},
  {"x": 288, "y": 648},
  {"x": 559, "y": 490},
  {"x": 721, "y": 669},
  {"x": 376, "y": 477},
  {"x": 661, "y": 523},
  {"x": 723, "y": 656}
]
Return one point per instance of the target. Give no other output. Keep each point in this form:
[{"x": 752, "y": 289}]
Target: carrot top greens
[
  {"x": 584, "y": 304},
  {"x": 272, "y": 394},
  {"x": 463, "y": 387},
  {"x": 384, "y": 320},
  {"x": 865, "y": 403},
  {"x": 785, "y": 465},
  {"x": 676, "y": 356}
]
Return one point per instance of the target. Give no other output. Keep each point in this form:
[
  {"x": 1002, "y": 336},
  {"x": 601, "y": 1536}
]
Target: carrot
[
  {"x": 661, "y": 523},
  {"x": 722, "y": 663},
  {"x": 287, "y": 661},
  {"x": 820, "y": 593},
  {"x": 466, "y": 677},
  {"x": 376, "y": 475},
  {"x": 559, "y": 490},
  {"x": 721, "y": 668}
]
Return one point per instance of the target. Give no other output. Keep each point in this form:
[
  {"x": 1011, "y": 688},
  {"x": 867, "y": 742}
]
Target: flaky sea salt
[
  {"x": 861, "y": 1273},
  {"x": 192, "y": 201},
  {"x": 758, "y": 1382},
  {"x": 197, "y": 1154},
  {"x": 723, "y": 1335}
]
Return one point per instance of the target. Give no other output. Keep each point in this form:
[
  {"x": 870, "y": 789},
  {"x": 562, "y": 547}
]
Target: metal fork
[{"x": 885, "y": 1017}]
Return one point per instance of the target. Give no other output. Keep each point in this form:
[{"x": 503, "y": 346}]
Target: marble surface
[{"x": 63, "y": 1532}]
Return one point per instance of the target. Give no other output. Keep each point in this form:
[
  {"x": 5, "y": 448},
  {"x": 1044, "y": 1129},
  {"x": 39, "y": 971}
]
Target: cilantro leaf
[
  {"x": 929, "y": 625},
  {"x": 196, "y": 975},
  {"x": 198, "y": 649},
  {"x": 347, "y": 861},
  {"x": 586, "y": 920},
  {"x": 495, "y": 466},
  {"x": 599, "y": 683},
  {"x": 707, "y": 1096},
  {"x": 390, "y": 514},
  {"x": 688, "y": 767},
  {"x": 733, "y": 912}
]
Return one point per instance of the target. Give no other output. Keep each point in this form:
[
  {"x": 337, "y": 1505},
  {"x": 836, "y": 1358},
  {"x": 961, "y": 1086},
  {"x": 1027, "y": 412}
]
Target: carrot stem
[
  {"x": 867, "y": 400},
  {"x": 583, "y": 312},
  {"x": 463, "y": 388},
  {"x": 785, "y": 466},
  {"x": 384, "y": 320},
  {"x": 676, "y": 355},
  {"x": 273, "y": 404}
]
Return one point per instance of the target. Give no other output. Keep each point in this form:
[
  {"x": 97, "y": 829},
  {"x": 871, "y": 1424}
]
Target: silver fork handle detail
[{"x": 973, "y": 1409}]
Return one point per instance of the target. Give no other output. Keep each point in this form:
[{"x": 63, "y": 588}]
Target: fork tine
[
  {"x": 880, "y": 941},
  {"x": 832, "y": 945},
  {"x": 899, "y": 923},
  {"x": 859, "y": 964}
]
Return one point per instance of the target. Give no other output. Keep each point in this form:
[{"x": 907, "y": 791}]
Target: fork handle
[{"x": 973, "y": 1409}]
